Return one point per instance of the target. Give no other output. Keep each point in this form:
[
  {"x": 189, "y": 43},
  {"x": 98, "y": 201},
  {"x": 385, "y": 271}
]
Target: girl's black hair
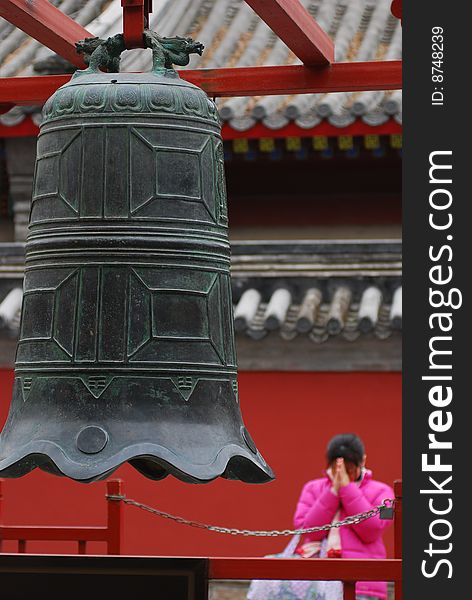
[{"x": 345, "y": 445}]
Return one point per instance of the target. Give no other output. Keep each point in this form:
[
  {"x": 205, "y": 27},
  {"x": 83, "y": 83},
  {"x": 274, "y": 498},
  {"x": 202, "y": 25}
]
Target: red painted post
[
  {"x": 133, "y": 23},
  {"x": 22, "y": 546},
  {"x": 349, "y": 590},
  {"x": 114, "y": 517},
  {"x": 398, "y": 531},
  {"x": 398, "y": 520},
  {"x": 1, "y": 515}
]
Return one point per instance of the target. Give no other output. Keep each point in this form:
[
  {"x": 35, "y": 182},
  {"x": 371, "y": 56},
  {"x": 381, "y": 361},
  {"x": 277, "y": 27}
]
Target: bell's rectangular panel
[{"x": 126, "y": 350}]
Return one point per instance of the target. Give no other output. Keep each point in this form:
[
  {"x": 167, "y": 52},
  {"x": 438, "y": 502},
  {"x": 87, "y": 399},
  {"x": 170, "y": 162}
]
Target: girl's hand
[{"x": 340, "y": 476}]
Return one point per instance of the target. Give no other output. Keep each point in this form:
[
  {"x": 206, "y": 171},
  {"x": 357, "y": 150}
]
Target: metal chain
[{"x": 351, "y": 520}]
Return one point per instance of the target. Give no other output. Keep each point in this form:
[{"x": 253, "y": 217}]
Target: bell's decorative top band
[
  {"x": 137, "y": 92},
  {"x": 126, "y": 349}
]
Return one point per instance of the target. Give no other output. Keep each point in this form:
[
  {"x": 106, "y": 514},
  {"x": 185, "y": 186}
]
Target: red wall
[{"x": 291, "y": 417}]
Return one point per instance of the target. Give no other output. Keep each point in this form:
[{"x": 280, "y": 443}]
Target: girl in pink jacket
[{"x": 347, "y": 489}]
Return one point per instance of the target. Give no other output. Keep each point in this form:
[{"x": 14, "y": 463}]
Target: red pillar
[
  {"x": 398, "y": 532},
  {"x": 114, "y": 517},
  {"x": 1, "y": 519}
]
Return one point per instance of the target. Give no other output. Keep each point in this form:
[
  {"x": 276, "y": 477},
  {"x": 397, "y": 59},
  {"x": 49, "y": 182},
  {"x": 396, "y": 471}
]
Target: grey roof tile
[
  {"x": 341, "y": 119},
  {"x": 318, "y": 317},
  {"x": 308, "y": 119},
  {"x": 375, "y": 118},
  {"x": 10, "y": 307},
  {"x": 393, "y": 103},
  {"x": 275, "y": 120}
]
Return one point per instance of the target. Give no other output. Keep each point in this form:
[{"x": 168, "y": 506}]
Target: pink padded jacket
[{"x": 318, "y": 505}]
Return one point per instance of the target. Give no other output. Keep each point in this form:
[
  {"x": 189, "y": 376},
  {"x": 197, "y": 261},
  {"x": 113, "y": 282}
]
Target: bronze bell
[{"x": 126, "y": 349}]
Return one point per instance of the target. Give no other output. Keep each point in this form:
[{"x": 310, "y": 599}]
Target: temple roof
[{"x": 234, "y": 36}]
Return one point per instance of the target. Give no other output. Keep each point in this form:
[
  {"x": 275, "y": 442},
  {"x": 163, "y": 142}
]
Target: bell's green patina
[{"x": 126, "y": 349}]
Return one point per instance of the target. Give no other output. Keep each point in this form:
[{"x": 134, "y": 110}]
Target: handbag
[{"x": 274, "y": 589}]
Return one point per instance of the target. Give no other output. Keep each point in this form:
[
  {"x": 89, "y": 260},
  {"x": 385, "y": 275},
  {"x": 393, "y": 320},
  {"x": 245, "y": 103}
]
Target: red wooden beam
[
  {"x": 27, "y": 128},
  {"x": 344, "y": 569},
  {"x": 297, "y": 79},
  {"x": 247, "y": 81},
  {"x": 47, "y": 24},
  {"x": 294, "y": 25}
]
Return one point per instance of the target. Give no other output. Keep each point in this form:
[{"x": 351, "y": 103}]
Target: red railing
[
  {"x": 398, "y": 532},
  {"x": 349, "y": 571},
  {"x": 111, "y": 534}
]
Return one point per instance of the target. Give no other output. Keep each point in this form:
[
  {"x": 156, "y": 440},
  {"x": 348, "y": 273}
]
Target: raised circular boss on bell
[{"x": 126, "y": 349}]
